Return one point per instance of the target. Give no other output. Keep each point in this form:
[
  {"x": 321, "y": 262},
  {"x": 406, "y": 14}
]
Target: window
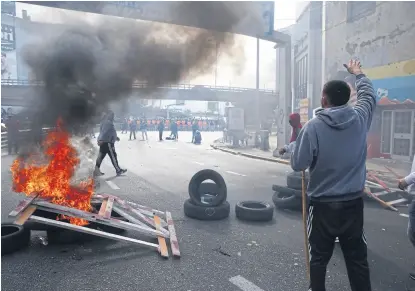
[
  {"x": 359, "y": 9},
  {"x": 301, "y": 79}
]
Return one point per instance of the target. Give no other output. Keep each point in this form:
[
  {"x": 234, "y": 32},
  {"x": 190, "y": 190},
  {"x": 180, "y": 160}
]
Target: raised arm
[{"x": 366, "y": 96}]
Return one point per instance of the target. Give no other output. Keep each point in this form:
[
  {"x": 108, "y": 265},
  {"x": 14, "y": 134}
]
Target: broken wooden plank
[
  {"x": 174, "y": 243},
  {"x": 95, "y": 218},
  {"x": 23, "y": 205},
  {"x": 129, "y": 217},
  {"x": 106, "y": 208},
  {"x": 162, "y": 241},
  {"x": 91, "y": 231},
  {"x": 25, "y": 215}
]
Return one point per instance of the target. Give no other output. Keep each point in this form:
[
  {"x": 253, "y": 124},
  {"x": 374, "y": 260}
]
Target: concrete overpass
[{"x": 19, "y": 92}]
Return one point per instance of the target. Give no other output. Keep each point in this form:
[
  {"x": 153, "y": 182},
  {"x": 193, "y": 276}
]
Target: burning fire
[{"x": 52, "y": 179}]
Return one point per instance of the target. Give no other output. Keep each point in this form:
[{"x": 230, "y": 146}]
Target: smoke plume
[{"x": 87, "y": 66}]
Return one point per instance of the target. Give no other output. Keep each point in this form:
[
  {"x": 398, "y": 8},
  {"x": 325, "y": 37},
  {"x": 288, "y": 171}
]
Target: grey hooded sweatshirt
[
  {"x": 333, "y": 146},
  {"x": 107, "y": 132}
]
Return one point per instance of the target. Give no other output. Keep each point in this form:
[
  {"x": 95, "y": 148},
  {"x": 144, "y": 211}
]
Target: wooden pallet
[{"x": 144, "y": 220}]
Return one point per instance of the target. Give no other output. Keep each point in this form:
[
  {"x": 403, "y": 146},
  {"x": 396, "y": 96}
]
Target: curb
[{"x": 274, "y": 160}]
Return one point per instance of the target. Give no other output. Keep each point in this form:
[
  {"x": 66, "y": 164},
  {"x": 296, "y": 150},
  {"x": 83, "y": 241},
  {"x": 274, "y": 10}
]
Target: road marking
[
  {"x": 404, "y": 215},
  {"x": 244, "y": 284},
  {"x": 112, "y": 185},
  {"x": 397, "y": 201},
  {"x": 202, "y": 164},
  {"x": 234, "y": 173}
]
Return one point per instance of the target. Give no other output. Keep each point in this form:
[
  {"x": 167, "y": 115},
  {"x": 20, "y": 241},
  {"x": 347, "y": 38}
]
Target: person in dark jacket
[
  {"x": 133, "y": 128},
  {"x": 143, "y": 128},
  {"x": 106, "y": 141},
  {"x": 160, "y": 128},
  {"x": 174, "y": 130},
  {"x": 12, "y": 125},
  {"x": 333, "y": 146},
  {"x": 198, "y": 137},
  {"x": 195, "y": 127}
]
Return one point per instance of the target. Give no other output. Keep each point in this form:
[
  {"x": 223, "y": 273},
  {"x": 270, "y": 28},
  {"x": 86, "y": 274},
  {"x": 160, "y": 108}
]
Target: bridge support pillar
[{"x": 284, "y": 109}]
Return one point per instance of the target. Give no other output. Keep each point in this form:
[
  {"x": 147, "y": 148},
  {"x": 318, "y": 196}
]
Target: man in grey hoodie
[
  {"x": 106, "y": 141},
  {"x": 333, "y": 146}
]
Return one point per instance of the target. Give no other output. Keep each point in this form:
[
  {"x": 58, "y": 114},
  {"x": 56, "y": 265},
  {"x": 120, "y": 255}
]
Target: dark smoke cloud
[{"x": 107, "y": 57}]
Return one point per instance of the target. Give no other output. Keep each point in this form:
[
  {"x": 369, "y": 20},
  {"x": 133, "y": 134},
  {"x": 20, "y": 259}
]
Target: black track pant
[
  {"x": 344, "y": 220},
  {"x": 160, "y": 135},
  {"x": 132, "y": 132},
  {"x": 12, "y": 144},
  {"x": 104, "y": 149}
]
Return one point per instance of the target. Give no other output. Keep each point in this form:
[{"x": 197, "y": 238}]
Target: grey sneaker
[
  {"x": 120, "y": 172},
  {"x": 97, "y": 172}
]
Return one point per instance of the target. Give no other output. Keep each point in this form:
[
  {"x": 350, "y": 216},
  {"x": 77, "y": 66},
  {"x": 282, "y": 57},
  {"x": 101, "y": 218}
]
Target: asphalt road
[{"x": 260, "y": 256}]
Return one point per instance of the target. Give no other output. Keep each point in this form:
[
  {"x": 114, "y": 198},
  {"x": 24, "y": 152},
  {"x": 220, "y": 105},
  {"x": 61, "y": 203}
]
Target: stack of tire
[
  {"x": 207, "y": 200},
  {"x": 290, "y": 196}
]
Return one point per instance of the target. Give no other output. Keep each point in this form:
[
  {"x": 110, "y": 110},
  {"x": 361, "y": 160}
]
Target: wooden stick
[
  {"x": 25, "y": 215},
  {"x": 162, "y": 241},
  {"x": 304, "y": 202},
  {"x": 383, "y": 203}
]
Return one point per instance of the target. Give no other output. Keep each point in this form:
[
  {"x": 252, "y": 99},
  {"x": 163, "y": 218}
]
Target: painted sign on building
[
  {"x": 304, "y": 109},
  {"x": 8, "y": 52}
]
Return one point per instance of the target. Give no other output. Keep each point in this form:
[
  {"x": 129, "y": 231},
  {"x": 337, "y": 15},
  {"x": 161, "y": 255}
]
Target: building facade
[{"x": 381, "y": 35}]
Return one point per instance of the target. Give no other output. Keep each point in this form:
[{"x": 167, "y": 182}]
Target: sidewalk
[{"x": 401, "y": 168}]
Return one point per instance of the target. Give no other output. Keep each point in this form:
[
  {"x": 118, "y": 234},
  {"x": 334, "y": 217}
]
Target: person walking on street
[
  {"x": 106, "y": 141},
  {"x": 143, "y": 127},
  {"x": 133, "y": 128},
  {"x": 12, "y": 126},
  {"x": 333, "y": 147},
  {"x": 408, "y": 184},
  {"x": 160, "y": 128}
]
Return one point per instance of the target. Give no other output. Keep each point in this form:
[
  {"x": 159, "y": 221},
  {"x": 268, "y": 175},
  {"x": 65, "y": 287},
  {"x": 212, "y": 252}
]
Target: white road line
[
  {"x": 397, "y": 201},
  {"x": 202, "y": 164},
  {"x": 404, "y": 215},
  {"x": 112, "y": 185},
  {"x": 244, "y": 284},
  {"x": 234, "y": 173}
]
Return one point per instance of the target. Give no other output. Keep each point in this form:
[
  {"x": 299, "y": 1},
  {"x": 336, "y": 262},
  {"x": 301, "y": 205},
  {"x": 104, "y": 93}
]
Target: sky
[{"x": 284, "y": 15}]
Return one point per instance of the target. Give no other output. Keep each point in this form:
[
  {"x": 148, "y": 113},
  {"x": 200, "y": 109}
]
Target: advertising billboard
[{"x": 8, "y": 52}]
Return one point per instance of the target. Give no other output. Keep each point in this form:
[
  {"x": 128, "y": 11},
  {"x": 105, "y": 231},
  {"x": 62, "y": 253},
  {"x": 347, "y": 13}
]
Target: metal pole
[
  {"x": 257, "y": 84},
  {"x": 216, "y": 63}
]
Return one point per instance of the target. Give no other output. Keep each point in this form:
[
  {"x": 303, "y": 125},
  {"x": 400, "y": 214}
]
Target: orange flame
[{"x": 52, "y": 180}]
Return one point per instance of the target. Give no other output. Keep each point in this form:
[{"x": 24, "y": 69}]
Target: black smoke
[{"x": 85, "y": 67}]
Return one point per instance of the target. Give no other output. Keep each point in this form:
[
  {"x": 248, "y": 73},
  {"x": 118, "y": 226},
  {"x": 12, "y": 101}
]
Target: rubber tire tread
[
  {"x": 291, "y": 202},
  {"x": 294, "y": 180},
  {"x": 206, "y": 213},
  {"x": 203, "y": 175},
  {"x": 254, "y": 214},
  {"x": 15, "y": 241},
  {"x": 286, "y": 190}
]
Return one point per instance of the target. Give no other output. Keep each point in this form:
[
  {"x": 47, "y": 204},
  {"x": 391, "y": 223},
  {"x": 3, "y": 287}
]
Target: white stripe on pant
[
  {"x": 309, "y": 227},
  {"x": 113, "y": 158}
]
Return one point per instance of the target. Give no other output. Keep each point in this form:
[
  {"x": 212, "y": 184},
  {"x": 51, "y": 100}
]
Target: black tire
[
  {"x": 198, "y": 179},
  {"x": 286, "y": 201},
  {"x": 254, "y": 211},
  {"x": 13, "y": 238},
  {"x": 294, "y": 180},
  {"x": 287, "y": 191},
  {"x": 206, "y": 213}
]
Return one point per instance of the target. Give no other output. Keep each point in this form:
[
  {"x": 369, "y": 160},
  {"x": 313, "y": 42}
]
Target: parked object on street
[
  {"x": 142, "y": 219},
  {"x": 286, "y": 201},
  {"x": 254, "y": 211},
  {"x": 194, "y": 188},
  {"x": 206, "y": 212},
  {"x": 14, "y": 237},
  {"x": 294, "y": 180}
]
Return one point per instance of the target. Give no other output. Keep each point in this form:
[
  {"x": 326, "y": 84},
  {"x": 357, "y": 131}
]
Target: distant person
[
  {"x": 133, "y": 128},
  {"x": 160, "y": 128},
  {"x": 295, "y": 122},
  {"x": 143, "y": 128},
  {"x": 12, "y": 125},
  {"x": 195, "y": 127},
  {"x": 198, "y": 137},
  {"x": 124, "y": 126},
  {"x": 106, "y": 141},
  {"x": 174, "y": 130}
]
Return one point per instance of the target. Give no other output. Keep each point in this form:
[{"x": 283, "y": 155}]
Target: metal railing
[{"x": 143, "y": 85}]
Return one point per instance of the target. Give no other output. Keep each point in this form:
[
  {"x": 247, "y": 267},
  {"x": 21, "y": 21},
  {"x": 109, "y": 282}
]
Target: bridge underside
[{"x": 23, "y": 96}]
